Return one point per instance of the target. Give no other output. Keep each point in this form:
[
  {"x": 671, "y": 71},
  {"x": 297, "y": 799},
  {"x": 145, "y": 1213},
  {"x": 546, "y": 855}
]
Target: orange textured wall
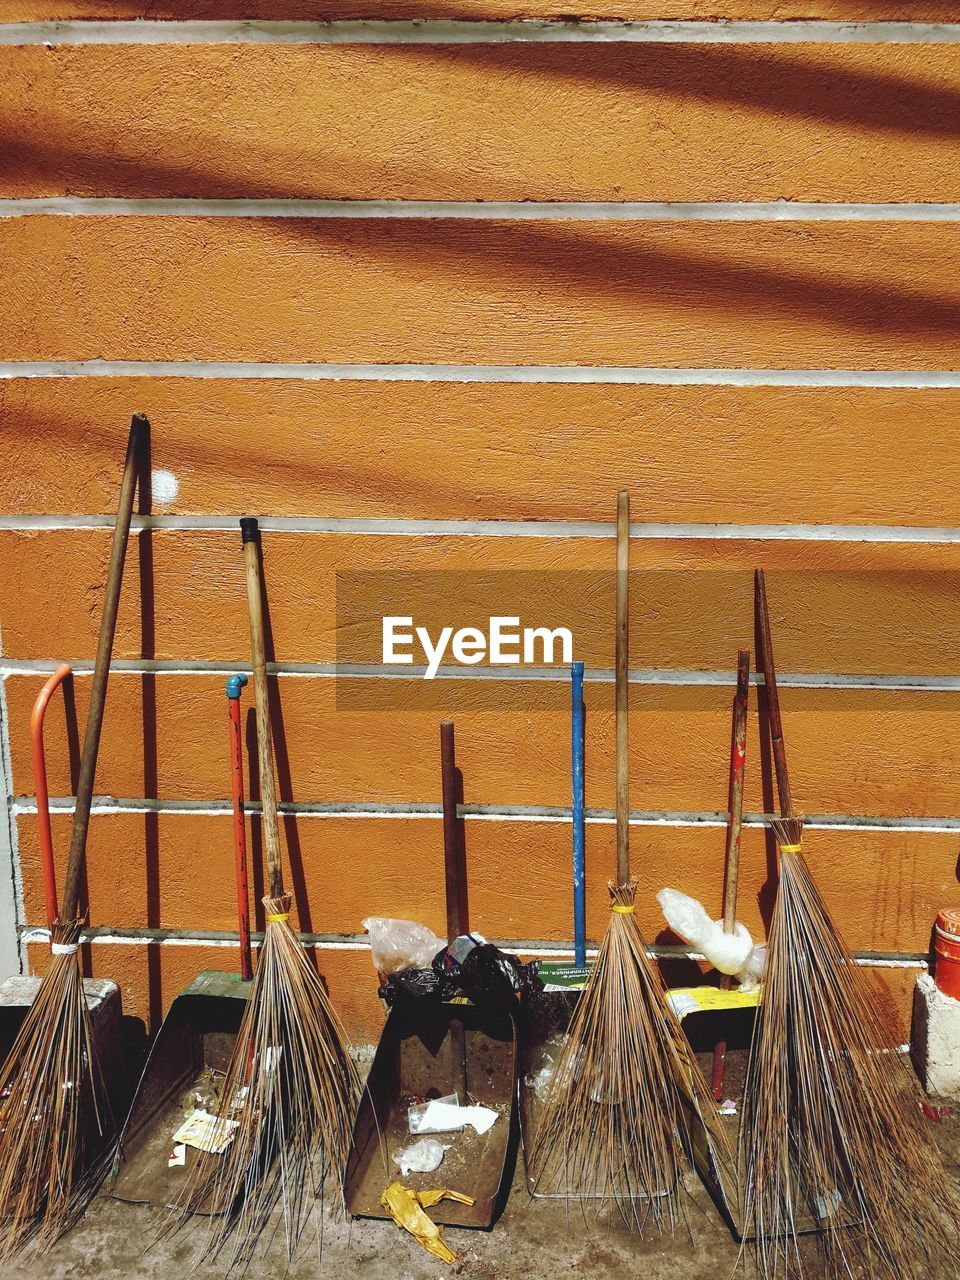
[
  {"x": 672, "y": 294},
  {"x": 871, "y": 620},
  {"x": 476, "y": 10},
  {"x": 493, "y": 122},
  {"x": 324, "y": 460}
]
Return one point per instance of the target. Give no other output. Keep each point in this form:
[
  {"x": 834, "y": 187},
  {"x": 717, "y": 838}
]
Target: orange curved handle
[{"x": 40, "y": 787}]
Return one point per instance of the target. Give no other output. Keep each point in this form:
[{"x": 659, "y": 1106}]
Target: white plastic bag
[
  {"x": 754, "y": 970},
  {"x": 421, "y": 1157},
  {"x": 727, "y": 952},
  {"x": 396, "y": 945}
]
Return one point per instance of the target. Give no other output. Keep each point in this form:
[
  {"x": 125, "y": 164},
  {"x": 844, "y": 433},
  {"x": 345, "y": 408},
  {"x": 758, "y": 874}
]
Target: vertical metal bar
[
  {"x": 577, "y": 712},
  {"x": 40, "y": 789},
  {"x": 456, "y": 914},
  {"x": 452, "y": 854}
]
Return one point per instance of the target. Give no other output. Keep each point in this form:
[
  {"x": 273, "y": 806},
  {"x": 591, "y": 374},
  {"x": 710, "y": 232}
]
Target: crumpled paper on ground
[
  {"x": 206, "y": 1132},
  {"x": 406, "y": 1207},
  {"x": 445, "y": 1115}
]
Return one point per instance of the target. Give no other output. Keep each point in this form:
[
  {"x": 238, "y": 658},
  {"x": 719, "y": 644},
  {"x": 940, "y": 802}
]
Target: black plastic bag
[{"x": 487, "y": 976}]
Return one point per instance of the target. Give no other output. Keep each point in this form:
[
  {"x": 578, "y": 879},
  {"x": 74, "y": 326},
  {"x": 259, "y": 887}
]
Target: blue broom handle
[{"x": 579, "y": 888}]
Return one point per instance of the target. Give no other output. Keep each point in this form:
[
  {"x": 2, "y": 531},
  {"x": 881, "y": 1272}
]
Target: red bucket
[{"x": 946, "y": 947}]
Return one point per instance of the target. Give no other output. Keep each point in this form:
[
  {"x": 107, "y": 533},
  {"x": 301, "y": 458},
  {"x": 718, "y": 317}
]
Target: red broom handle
[
  {"x": 234, "y": 685},
  {"x": 738, "y": 757},
  {"x": 40, "y": 788},
  {"x": 773, "y": 698},
  {"x": 623, "y": 687}
]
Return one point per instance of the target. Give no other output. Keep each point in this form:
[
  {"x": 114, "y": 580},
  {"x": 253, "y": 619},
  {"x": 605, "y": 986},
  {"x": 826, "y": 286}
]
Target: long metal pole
[{"x": 577, "y": 751}]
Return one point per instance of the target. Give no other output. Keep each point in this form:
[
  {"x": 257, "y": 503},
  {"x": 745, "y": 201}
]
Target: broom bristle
[
  {"x": 291, "y": 1090},
  {"x": 832, "y": 1138},
  {"x": 52, "y": 1110},
  {"x": 613, "y": 1121}
]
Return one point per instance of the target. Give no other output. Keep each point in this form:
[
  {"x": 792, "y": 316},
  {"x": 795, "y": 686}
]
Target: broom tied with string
[
  {"x": 55, "y": 1120},
  {"x": 613, "y": 1123},
  {"x": 832, "y": 1136},
  {"x": 291, "y": 1088}
]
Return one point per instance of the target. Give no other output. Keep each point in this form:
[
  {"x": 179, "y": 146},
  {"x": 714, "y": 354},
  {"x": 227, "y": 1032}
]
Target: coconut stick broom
[
  {"x": 291, "y": 1088},
  {"x": 832, "y": 1137},
  {"x": 613, "y": 1121},
  {"x": 54, "y": 1118}
]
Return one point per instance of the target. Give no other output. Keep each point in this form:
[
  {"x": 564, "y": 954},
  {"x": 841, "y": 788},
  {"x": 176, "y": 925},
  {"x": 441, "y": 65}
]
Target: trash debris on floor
[
  {"x": 446, "y": 1061},
  {"x": 185, "y": 1069},
  {"x": 206, "y": 1132},
  {"x": 421, "y": 1157},
  {"x": 406, "y": 1207},
  {"x": 446, "y": 1115}
]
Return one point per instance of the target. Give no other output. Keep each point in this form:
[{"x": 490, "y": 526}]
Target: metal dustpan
[
  {"x": 193, "y": 1046},
  {"x": 430, "y": 1048},
  {"x": 448, "y": 1048}
]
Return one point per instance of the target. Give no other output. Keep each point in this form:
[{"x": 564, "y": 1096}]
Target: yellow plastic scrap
[{"x": 406, "y": 1207}]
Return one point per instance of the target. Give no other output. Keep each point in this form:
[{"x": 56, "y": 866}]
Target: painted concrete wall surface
[{"x": 422, "y": 284}]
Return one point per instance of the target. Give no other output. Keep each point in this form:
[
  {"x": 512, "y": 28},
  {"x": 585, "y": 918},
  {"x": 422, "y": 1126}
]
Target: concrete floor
[{"x": 533, "y": 1239}]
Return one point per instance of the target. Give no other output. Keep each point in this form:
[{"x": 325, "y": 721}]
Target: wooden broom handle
[
  {"x": 101, "y": 670},
  {"x": 250, "y": 531},
  {"x": 622, "y": 686},
  {"x": 773, "y": 699}
]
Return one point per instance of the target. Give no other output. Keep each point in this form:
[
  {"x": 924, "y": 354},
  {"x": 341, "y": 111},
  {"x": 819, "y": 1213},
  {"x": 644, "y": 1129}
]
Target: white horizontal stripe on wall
[
  {"x": 910, "y": 379},
  {"x": 441, "y": 31},
  {"x": 106, "y": 806},
  {"x": 412, "y": 528},
  {"x": 480, "y": 210},
  {"x": 36, "y": 934},
  {"x": 12, "y": 667}
]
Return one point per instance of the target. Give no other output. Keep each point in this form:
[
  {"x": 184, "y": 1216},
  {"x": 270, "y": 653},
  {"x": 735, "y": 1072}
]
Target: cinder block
[
  {"x": 17, "y": 994},
  {"x": 935, "y": 1038}
]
